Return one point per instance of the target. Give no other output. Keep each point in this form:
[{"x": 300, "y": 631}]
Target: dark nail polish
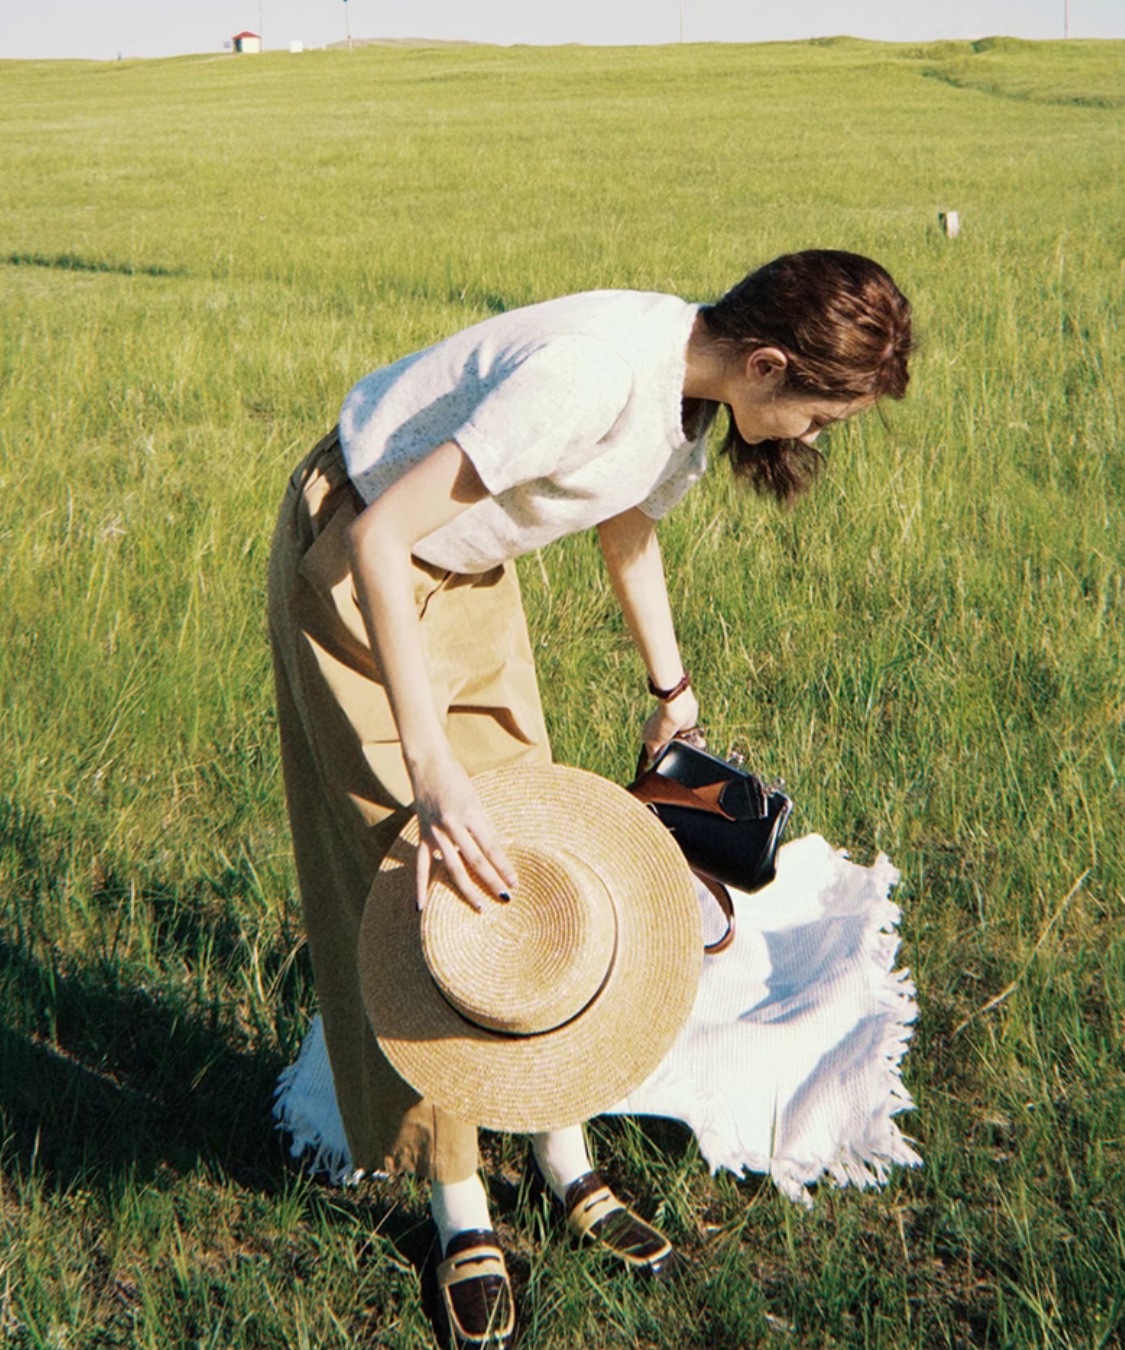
[{"x": 505, "y": 896}]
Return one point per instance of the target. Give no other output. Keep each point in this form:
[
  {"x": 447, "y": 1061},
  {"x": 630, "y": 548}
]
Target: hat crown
[{"x": 534, "y": 963}]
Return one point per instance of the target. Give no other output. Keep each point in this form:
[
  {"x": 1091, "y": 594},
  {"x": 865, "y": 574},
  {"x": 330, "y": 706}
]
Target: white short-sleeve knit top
[{"x": 570, "y": 411}]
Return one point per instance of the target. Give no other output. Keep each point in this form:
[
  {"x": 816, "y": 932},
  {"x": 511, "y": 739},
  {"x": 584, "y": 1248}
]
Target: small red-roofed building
[{"x": 246, "y": 42}]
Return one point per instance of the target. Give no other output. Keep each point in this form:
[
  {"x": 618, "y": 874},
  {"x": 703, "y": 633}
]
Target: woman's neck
[{"x": 707, "y": 365}]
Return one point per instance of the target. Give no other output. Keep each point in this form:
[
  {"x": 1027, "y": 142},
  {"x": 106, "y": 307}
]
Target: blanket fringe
[
  {"x": 866, "y": 1162},
  {"x": 305, "y": 1108}
]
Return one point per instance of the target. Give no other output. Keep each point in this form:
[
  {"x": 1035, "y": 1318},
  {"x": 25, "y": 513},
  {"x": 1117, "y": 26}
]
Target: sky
[{"x": 105, "y": 29}]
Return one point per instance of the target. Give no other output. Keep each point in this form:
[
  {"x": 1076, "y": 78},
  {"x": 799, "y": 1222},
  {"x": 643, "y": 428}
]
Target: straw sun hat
[{"x": 543, "y": 1011}]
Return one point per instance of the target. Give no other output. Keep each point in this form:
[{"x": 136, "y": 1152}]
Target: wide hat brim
[{"x": 557, "y": 1077}]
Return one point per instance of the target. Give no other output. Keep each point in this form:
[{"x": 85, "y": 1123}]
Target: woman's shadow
[{"x": 114, "y": 1071}]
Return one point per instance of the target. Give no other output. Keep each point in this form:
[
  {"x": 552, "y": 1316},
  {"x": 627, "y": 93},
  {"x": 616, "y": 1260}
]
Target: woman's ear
[{"x": 766, "y": 366}]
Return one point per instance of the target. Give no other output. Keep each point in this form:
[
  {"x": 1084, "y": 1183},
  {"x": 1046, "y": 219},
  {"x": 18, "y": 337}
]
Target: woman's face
[
  {"x": 765, "y": 411},
  {"x": 781, "y": 417}
]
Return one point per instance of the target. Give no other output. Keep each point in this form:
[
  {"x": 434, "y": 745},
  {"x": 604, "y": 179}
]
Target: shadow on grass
[
  {"x": 122, "y": 1080},
  {"x": 111, "y": 1064},
  {"x": 75, "y": 262}
]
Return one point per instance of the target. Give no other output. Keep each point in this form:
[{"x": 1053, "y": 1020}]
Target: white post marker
[{"x": 950, "y": 224}]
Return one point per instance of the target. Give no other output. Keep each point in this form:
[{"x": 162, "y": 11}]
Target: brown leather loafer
[
  {"x": 476, "y": 1293},
  {"x": 596, "y": 1215}
]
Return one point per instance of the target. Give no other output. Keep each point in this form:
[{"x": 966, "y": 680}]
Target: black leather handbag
[{"x": 727, "y": 822}]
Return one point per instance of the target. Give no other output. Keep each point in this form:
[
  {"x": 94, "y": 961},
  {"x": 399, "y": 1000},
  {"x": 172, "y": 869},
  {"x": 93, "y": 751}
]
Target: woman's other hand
[
  {"x": 457, "y": 832},
  {"x": 668, "y": 720}
]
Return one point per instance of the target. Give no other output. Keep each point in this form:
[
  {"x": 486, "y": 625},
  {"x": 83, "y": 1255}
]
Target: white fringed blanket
[{"x": 790, "y": 1063}]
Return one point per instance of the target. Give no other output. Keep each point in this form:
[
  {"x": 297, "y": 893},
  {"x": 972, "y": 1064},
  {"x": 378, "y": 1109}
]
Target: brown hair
[{"x": 844, "y": 327}]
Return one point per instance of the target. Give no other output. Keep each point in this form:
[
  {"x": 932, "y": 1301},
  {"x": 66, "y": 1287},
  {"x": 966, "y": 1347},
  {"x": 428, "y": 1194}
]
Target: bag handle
[{"x": 726, "y": 904}]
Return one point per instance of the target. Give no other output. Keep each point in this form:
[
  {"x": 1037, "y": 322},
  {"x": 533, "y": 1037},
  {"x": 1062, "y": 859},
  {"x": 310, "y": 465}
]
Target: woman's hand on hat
[
  {"x": 457, "y": 832},
  {"x": 668, "y": 720}
]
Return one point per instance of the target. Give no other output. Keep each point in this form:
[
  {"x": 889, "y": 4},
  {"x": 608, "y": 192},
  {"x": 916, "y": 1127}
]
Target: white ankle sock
[
  {"x": 457, "y": 1206},
  {"x": 562, "y": 1157}
]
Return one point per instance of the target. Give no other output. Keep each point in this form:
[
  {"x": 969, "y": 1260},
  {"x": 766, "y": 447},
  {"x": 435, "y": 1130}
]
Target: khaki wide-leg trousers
[{"x": 346, "y": 785}]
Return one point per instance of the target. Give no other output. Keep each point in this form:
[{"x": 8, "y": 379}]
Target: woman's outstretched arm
[
  {"x": 380, "y": 541},
  {"x": 632, "y": 555}
]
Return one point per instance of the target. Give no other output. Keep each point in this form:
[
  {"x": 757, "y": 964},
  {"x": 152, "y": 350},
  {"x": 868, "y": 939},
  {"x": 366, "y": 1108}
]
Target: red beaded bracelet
[{"x": 667, "y": 695}]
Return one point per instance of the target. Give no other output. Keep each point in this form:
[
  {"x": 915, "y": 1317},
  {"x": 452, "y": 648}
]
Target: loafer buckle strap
[{"x": 591, "y": 1209}]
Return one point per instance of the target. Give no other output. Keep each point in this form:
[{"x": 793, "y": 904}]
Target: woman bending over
[{"x": 401, "y": 653}]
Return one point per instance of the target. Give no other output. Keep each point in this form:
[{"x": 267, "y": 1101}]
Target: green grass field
[{"x": 197, "y": 258}]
